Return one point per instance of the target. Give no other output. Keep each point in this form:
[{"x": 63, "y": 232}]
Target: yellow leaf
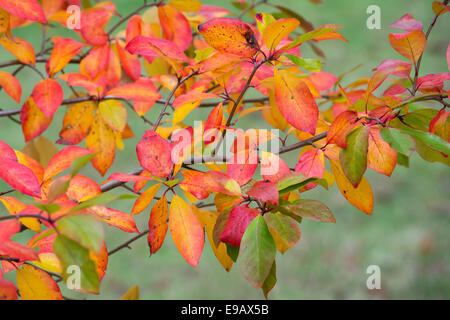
[
  {"x": 131, "y": 294},
  {"x": 208, "y": 220},
  {"x": 35, "y": 284},
  {"x": 278, "y": 30},
  {"x": 361, "y": 197}
]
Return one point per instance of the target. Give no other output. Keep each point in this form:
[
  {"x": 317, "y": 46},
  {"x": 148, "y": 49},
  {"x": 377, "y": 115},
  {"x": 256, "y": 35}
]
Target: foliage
[{"x": 256, "y": 213}]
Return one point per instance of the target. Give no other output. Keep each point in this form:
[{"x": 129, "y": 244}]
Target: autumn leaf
[
  {"x": 341, "y": 127},
  {"x": 36, "y": 284},
  {"x": 20, "y": 48},
  {"x": 238, "y": 220},
  {"x": 145, "y": 198},
  {"x": 265, "y": 191},
  {"x": 63, "y": 160},
  {"x": 410, "y": 45},
  {"x": 380, "y": 157},
  {"x": 295, "y": 101},
  {"x": 361, "y": 197},
  {"x": 11, "y": 85},
  {"x": 113, "y": 114},
  {"x": 155, "y": 47},
  {"x": 278, "y": 30},
  {"x": 154, "y": 154},
  {"x": 284, "y": 230},
  {"x": 27, "y": 9},
  {"x": 101, "y": 140},
  {"x": 186, "y": 230},
  {"x": 20, "y": 178},
  {"x": 175, "y": 26},
  {"x": 141, "y": 90},
  {"x": 64, "y": 49},
  {"x": 230, "y": 36},
  {"x": 157, "y": 225},
  {"x": 77, "y": 122},
  {"x": 48, "y": 96}
]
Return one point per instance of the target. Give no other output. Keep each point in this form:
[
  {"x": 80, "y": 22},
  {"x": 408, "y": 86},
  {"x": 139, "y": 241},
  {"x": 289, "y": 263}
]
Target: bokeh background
[{"x": 407, "y": 235}]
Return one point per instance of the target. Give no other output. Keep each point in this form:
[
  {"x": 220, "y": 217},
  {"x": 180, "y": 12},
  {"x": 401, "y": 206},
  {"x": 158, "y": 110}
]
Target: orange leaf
[
  {"x": 410, "y": 45},
  {"x": 82, "y": 188},
  {"x": 381, "y": 157},
  {"x": 63, "y": 160},
  {"x": 361, "y": 197},
  {"x": 187, "y": 231},
  {"x": 64, "y": 49},
  {"x": 175, "y": 26},
  {"x": 48, "y": 96},
  {"x": 93, "y": 21},
  {"x": 278, "y": 30},
  {"x": 229, "y": 36},
  {"x": 77, "y": 122},
  {"x": 295, "y": 101},
  {"x": 141, "y": 90},
  {"x": 341, "y": 127},
  {"x": 21, "y": 49},
  {"x": 157, "y": 225},
  {"x": 101, "y": 139},
  {"x": 34, "y": 122},
  {"x": 311, "y": 164},
  {"x": 145, "y": 199},
  {"x": 130, "y": 63},
  {"x": 115, "y": 218},
  {"x": 11, "y": 85},
  {"x": 27, "y": 9}
]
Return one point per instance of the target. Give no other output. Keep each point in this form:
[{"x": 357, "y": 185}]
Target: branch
[
  {"x": 127, "y": 243},
  {"x": 416, "y": 75}
]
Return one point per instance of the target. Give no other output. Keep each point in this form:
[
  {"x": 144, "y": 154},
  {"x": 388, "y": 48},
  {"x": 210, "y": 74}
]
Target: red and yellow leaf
[
  {"x": 157, "y": 225},
  {"x": 27, "y": 9},
  {"x": 36, "y": 284},
  {"x": 11, "y": 85},
  {"x": 48, "y": 96},
  {"x": 186, "y": 230}
]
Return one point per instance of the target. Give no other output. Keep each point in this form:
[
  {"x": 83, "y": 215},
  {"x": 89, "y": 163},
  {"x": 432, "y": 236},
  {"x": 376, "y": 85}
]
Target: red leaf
[
  {"x": 311, "y": 164},
  {"x": 141, "y": 90},
  {"x": 8, "y": 228},
  {"x": 155, "y": 47},
  {"x": 154, "y": 154},
  {"x": 48, "y": 96},
  {"x": 407, "y": 23},
  {"x": 20, "y": 177},
  {"x": 265, "y": 191},
  {"x": 130, "y": 63},
  {"x": 175, "y": 26},
  {"x": 16, "y": 250},
  {"x": 63, "y": 160},
  {"x": 239, "y": 219},
  {"x": 34, "y": 122},
  {"x": 242, "y": 166},
  {"x": 93, "y": 21},
  {"x": 27, "y": 9}
]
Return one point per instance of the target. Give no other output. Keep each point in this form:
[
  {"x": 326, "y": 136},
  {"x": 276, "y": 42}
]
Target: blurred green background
[{"x": 407, "y": 235}]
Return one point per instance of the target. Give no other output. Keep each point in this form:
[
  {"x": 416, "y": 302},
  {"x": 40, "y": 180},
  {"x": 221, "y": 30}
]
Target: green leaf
[
  {"x": 80, "y": 162},
  {"x": 70, "y": 253},
  {"x": 257, "y": 252},
  {"x": 309, "y": 209},
  {"x": 354, "y": 158},
  {"x": 270, "y": 281},
  {"x": 101, "y": 199},
  {"x": 283, "y": 229},
  {"x": 47, "y": 207},
  {"x": 232, "y": 251},
  {"x": 308, "y": 64},
  {"x": 397, "y": 140},
  {"x": 433, "y": 141},
  {"x": 308, "y": 36},
  {"x": 297, "y": 180},
  {"x": 402, "y": 160},
  {"x": 84, "y": 229}
]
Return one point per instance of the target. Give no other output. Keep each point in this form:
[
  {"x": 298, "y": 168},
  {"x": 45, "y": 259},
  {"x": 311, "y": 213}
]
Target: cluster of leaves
[{"x": 252, "y": 219}]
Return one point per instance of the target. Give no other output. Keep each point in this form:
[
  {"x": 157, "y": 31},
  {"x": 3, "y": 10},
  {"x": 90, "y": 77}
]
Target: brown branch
[
  {"x": 127, "y": 243},
  {"x": 417, "y": 66}
]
